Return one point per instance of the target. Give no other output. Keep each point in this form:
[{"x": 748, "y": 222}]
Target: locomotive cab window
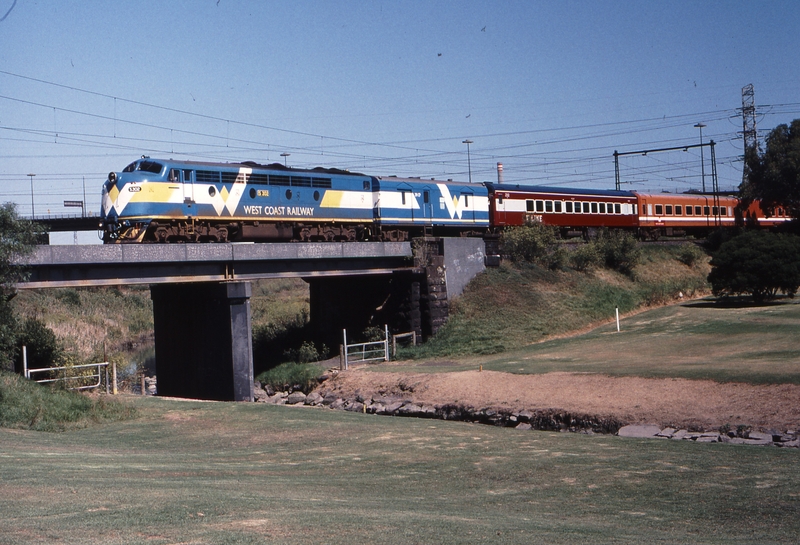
[
  {"x": 426, "y": 196},
  {"x": 403, "y": 197},
  {"x": 174, "y": 175},
  {"x": 366, "y": 185}
]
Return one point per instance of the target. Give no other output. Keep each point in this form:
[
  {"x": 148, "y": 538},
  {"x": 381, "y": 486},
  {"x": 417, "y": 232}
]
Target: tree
[
  {"x": 17, "y": 239},
  {"x": 773, "y": 177},
  {"x": 758, "y": 263}
]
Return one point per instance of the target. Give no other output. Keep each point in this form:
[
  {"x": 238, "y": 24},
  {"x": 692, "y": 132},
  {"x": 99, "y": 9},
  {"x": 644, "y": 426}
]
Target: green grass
[
  {"x": 513, "y": 306},
  {"x": 695, "y": 340},
  {"x": 28, "y": 405},
  {"x": 190, "y": 472}
]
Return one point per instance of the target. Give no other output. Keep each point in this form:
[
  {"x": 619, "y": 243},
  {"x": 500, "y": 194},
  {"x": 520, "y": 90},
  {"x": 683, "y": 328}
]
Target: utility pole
[
  {"x": 469, "y": 163},
  {"x": 702, "y": 155},
  {"x": 748, "y": 122}
]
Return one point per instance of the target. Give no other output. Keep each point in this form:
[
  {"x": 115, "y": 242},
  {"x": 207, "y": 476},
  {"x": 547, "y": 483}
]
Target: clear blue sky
[{"x": 550, "y": 89}]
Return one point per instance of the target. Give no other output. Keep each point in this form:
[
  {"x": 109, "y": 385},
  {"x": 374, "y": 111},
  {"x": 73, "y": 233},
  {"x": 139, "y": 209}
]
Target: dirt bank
[{"x": 680, "y": 403}]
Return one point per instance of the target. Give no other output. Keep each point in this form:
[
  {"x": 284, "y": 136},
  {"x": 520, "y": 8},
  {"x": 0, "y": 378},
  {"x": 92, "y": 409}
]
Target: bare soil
[{"x": 680, "y": 403}]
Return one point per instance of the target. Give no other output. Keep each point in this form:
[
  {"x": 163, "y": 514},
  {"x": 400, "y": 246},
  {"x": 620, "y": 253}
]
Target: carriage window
[
  {"x": 617, "y": 208},
  {"x": 594, "y": 208},
  {"x": 698, "y": 211},
  {"x": 715, "y": 211},
  {"x": 529, "y": 206},
  {"x": 499, "y": 199},
  {"x": 659, "y": 210},
  {"x": 602, "y": 207},
  {"x": 723, "y": 211},
  {"x": 540, "y": 206},
  {"x": 669, "y": 209},
  {"x": 557, "y": 205},
  {"x": 678, "y": 210},
  {"x": 688, "y": 210},
  {"x": 610, "y": 208},
  {"x": 548, "y": 206},
  {"x": 780, "y": 212},
  {"x": 568, "y": 206}
]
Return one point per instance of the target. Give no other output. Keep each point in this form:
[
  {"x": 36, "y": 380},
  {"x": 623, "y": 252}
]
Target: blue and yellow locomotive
[{"x": 154, "y": 200}]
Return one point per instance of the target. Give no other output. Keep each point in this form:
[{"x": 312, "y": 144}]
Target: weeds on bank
[{"x": 27, "y": 405}]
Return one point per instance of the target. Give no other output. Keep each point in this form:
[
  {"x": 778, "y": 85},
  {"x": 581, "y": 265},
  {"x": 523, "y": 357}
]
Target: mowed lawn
[
  {"x": 190, "y": 472},
  {"x": 694, "y": 340}
]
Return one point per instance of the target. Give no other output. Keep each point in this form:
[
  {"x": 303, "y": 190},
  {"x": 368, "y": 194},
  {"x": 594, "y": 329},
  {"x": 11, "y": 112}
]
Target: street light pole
[
  {"x": 33, "y": 209},
  {"x": 469, "y": 163},
  {"x": 702, "y": 160}
]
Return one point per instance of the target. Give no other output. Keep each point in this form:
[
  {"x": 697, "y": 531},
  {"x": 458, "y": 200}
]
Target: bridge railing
[{"x": 368, "y": 352}]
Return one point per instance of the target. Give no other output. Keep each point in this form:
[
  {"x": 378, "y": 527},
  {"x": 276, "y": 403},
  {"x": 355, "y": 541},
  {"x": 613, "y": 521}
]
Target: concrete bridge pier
[{"x": 203, "y": 339}]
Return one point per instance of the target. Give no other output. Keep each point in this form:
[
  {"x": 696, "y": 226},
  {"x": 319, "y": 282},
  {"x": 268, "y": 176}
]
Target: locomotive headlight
[{"x": 112, "y": 177}]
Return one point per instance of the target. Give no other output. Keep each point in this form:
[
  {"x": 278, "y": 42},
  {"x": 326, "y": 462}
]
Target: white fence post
[
  {"x": 344, "y": 338},
  {"x": 386, "y": 341}
]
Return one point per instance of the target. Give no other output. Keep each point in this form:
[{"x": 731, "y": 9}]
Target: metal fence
[
  {"x": 66, "y": 375},
  {"x": 71, "y": 374},
  {"x": 365, "y": 352}
]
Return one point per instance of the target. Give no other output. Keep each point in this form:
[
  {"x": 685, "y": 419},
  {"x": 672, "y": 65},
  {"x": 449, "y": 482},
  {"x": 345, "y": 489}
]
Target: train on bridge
[{"x": 154, "y": 200}]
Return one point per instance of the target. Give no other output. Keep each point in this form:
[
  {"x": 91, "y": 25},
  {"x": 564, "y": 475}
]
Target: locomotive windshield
[{"x": 146, "y": 166}]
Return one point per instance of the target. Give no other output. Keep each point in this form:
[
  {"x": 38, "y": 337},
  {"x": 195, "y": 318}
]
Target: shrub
[
  {"x": 291, "y": 376},
  {"x": 758, "y": 263},
  {"x": 42, "y": 347},
  {"x": 529, "y": 243},
  {"x": 689, "y": 254},
  {"x": 306, "y": 353},
  {"x": 586, "y": 257},
  {"x": 620, "y": 250}
]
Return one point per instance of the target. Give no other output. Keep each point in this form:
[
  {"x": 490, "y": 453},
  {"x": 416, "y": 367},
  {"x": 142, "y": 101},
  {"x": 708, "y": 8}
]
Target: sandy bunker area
[{"x": 681, "y": 403}]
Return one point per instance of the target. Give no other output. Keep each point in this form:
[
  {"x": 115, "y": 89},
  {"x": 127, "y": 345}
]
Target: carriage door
[
  {"x": 188, "y": 187},
  {"x": 427, "y": 206},
  {"x": 468, "y": 203}
]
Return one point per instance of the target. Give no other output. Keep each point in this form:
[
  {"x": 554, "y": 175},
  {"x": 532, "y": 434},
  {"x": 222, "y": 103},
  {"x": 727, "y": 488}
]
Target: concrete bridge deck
[{"x": 121, "y": 264}]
